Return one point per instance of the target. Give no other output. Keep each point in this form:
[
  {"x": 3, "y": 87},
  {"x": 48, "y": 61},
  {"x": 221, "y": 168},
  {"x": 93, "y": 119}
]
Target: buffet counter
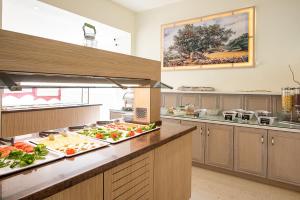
[
  {"x": 277, "y": 125},
  {"x": 22, "y": 120},
  {"x": 264, "y": 153},
  {"x": 95, "y": 167}
]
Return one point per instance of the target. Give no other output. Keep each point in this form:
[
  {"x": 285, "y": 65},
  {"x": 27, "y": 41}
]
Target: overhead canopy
[
  {"x": 17, "y": 81},
  {"x": 30, "y": 54}
]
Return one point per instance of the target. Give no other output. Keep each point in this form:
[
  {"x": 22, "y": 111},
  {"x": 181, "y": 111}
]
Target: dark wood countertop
[
  {"x": 38, "y": 108},
  {"x": 46, "y": 180}
]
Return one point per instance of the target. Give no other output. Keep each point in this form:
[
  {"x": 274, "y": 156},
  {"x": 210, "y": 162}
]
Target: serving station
[
  {"x": 241, "y": 134},
  {"x": 95, "y": 160}
]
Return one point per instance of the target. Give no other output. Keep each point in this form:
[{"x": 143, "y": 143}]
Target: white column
[{"x": 0, "y": 14}]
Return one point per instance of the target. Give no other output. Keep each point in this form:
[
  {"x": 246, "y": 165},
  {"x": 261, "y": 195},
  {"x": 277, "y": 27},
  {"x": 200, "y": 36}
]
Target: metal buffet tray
[
  {"x": 111, "y": 141},
  {"x": 50, "y": 157},
  {"x": 100, "y": 143}
]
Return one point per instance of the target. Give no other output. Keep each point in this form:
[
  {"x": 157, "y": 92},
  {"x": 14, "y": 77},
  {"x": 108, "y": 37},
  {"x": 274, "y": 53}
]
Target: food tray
[
  {"x": 128, "y": 138},
  {"x": 123, "y": 138},
  {"x": 99, "y": 144},
  {"x": 50, "y": 157}
]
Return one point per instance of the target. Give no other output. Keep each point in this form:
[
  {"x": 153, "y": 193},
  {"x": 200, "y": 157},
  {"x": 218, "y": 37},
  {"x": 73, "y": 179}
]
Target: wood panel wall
[
  {"x": 24, "y": 122},
  {"x": 88, "y": 189},
  {"x": 25, "y": 53},
  {"x": 223, "y": 101}
]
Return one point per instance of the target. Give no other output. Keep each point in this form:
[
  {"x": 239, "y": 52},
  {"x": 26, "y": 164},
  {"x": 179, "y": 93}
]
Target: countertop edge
[
  {"x": 64, "y": 184},
  {"x": 271, "y": 93},
  {"x": 235, "y": 124},
  {"x": 47, "y": 108}
]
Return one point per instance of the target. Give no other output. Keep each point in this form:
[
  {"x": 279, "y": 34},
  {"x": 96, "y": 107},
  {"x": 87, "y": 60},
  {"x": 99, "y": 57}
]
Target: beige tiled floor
[{"x": 209, "y": 185}]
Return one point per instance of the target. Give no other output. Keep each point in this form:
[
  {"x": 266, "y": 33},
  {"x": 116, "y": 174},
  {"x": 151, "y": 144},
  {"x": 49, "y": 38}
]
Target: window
[
  {"x": 43, "y": 96},
  {"x": 40, "y": 19}
]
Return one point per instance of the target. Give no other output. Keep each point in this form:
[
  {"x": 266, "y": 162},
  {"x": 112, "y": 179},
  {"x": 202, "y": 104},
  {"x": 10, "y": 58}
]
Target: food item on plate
[
  {"x": 21, "y": 154},
  {"x": 70, "y": 151},
  {"x": 130, "y": 134},
  {"x": 117, "y": 131},
  {"x": 69, "y": 144}
]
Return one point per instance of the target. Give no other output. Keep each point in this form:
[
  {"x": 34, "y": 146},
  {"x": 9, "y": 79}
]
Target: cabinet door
[
  {"x": 131, "y": 180},
  {"x": 172, "y": 121},
  {"x": 284, "y": 157},
  {"x": 89, "y": 189},
  {"x": 115, "y": 115},
  {"x": 198, "y": 141},
  {"x": 219, "y": 146},
  {"x": 173, "y": 169},
  {"x": 258, "y": 102},
  {"x": 209, "y": 101},
  {"x": 189, "y": 99},
  {"x": 250, "y": 151},
  {"x": 170, "y": 100}
]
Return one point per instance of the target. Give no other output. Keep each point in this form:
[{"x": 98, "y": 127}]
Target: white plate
[{"x": 50, "y": 157}]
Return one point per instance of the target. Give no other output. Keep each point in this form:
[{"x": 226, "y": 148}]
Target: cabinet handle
[
  {"x": 262, "y": 139},
  {"x": 201, "y": 131},
  {"x": 272, "y": 141},
  {"x": 208, "y": 132}
]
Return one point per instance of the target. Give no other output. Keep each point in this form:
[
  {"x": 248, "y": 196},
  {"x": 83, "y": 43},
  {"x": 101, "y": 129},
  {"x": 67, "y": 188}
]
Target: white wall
[
  {"x": 0, "y": 14},
  {"x": 41, "y": 19},
  {"x": 104, "y": 11},
  {"x": 277, "y": 43}
]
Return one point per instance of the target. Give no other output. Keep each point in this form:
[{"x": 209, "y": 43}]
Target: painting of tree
[{"x": 213, "y": 42}]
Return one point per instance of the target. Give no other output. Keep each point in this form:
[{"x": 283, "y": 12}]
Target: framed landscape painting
[{"x": 224, "y": 40}]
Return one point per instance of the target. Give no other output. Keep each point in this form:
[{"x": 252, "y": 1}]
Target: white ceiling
[{"x": 142, "y": 5}]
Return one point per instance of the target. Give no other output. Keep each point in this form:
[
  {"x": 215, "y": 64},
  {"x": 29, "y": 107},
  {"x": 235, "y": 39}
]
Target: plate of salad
[
  {"x": 118, "y": 131},
  {"x": 23, "y": 155}
]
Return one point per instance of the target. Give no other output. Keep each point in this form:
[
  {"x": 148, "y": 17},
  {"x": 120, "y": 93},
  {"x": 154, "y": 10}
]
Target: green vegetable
[
  {"x": 15, "y": 154},
  {"x": 14, "y": 164},
  {"x": 4, "y": 163},
  {"x": 40, "y": 151},
  {"x": 27, "y": 159}
]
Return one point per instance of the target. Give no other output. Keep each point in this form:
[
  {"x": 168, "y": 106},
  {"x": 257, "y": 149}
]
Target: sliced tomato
[
  {"x": 70, "y": 151},
  {"x": 114, "y": 135},
  {"x": 20, "y": 145},
  {"x": 99, "y": 135},
  {"x": 130, "y": 134},
  {"x": 7, "y": 148},
  {"x": 139, "y": 130},
  {"x": 4, "y": 154},
  {"x": 28, "y": 149}
]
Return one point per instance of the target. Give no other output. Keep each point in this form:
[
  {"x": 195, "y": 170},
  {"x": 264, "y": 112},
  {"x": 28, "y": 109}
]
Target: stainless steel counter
[{"x": 252, "y": 123}]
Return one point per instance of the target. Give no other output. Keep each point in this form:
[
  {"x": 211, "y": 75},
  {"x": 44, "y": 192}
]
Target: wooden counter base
[{"x": 60, "y": 177}]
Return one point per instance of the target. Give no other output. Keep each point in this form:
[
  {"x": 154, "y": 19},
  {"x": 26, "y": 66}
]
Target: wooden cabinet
[
  {"x": 209, "y": 101},
  {"x": 116, "y": 114},
  {"x": 169, "y": 120},
  {"x": 250, "y": 151},
  {"x": 173, "y": 170},
  {"x": 198, "y": 141},
  {"x": 31, "y": 121},
  {"x": 229, "y": 102},
  {"x": 88, "y": 189},
  {"x": 284, "y": 157},
  {"x": 258, "y": 102},
  {"x": 131, "y": 180},
  {"x": 170, "y": 100},
  {"x": 219, "y": 146},
  {"x": 189, "y": 99}
]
